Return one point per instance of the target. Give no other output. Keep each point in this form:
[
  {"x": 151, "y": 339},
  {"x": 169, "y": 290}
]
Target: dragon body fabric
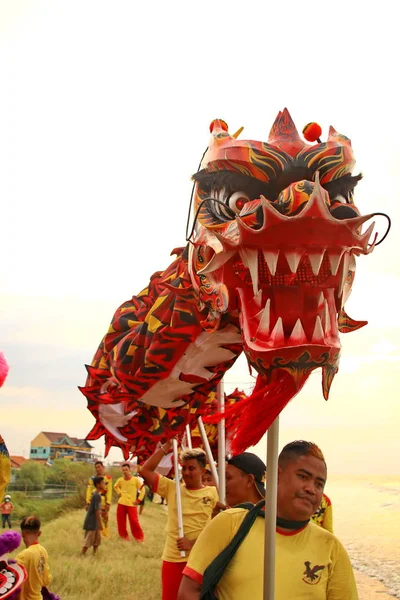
[{"x": 267, "y": 270}]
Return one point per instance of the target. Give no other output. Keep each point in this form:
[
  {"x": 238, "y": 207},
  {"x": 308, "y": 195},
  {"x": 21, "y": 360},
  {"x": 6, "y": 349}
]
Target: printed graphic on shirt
[
  {"x": 312, "y": 575},
  {"x": 207, "y": 500},
  {"x": 41, "y": 564}
]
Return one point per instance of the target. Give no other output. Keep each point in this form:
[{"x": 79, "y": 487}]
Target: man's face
[
  {"x": 192, "y": 473},
  {"x": 126, "y": 472},
  {"x": 300, "y": 486},
  {"x": 238, "y": 484},
  {"x": 99, "y": 470}
]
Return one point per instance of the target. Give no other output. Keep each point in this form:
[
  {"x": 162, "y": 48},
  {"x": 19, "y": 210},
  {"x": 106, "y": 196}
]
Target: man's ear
[
  {"x": 250, "y": 480},
  {"x": 39, "y": 533},
  {"x": 279, "y": 472}
]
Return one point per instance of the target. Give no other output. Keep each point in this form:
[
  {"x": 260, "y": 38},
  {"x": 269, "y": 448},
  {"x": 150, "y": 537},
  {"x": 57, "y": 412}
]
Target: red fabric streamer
[{"x": 257, "y": 412}]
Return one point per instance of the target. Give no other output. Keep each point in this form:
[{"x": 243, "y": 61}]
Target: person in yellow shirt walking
[
  {"x": 106, "y": 495},
  {"x": 35, "y": 560},
  {"x": 130, "y": 495},
  {"x": 198, "y": 502}
]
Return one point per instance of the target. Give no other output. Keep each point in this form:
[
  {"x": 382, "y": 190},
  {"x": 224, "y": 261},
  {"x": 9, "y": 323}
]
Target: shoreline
[{"x": 369, "y": 587}]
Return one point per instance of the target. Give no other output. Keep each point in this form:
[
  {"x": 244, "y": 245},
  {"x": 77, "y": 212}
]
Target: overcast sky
[{"x": 104, "y": 111}]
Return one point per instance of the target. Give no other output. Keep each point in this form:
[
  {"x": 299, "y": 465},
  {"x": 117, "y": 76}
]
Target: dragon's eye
[{"x": 237, "y": 201}]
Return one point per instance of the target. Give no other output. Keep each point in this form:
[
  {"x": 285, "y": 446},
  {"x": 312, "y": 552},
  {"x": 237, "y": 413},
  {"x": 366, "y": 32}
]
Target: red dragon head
[{"x": 276, "y": 236}]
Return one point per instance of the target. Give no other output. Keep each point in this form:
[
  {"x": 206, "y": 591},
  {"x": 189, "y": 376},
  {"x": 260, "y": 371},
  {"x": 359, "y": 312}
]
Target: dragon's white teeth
[
  {"x": 298, "y": 334},
  {"x": 344, "y": 273},
  {"x": 320, "y": 300},
  {"x": 258, "y": 298},
  {"x": 316, "y": 259},
  {"x": 249, "y": 258},
  {"x": 334, "y": 260},
  {"x": 252, "y": 261},
  {"x": 293, "y": 258},
  {"x": 326, "y": 322},
  {"x": 318, "y": 333},
  {"x": 258, "y": 316},
  {"x": 264, "y": 324},
  {"x": 278, "y": 335},
  {"x": 243, "y": 256},
  {"x": 271, "y": 258}
]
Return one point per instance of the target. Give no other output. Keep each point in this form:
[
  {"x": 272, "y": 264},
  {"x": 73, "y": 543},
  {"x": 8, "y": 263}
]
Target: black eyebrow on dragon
[
  {"x": 232, "y": 182},
  {"x": 342, "y": 186}
]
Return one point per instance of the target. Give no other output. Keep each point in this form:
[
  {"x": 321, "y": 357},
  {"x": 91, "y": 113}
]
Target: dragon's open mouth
[{"x": 291, "y": 300}]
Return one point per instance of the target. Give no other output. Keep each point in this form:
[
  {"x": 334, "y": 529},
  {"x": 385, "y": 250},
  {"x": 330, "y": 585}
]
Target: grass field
[{"x": 123, "y": 570}]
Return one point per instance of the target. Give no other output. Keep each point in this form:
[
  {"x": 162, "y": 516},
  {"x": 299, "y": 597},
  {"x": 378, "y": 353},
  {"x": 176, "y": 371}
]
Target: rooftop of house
[{"x": 56, "y": 438}]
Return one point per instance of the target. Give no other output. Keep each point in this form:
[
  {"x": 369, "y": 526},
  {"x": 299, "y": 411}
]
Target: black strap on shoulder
[{"x": 216, "y": 568}]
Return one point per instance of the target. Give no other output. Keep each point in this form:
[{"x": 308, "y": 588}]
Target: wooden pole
[
  {"x": 207, "y": 448},
  {"x": 188, "y": 438},
  {"x": 221, "y": 444},
  {"x": 270, "y": 510},
  {"x": 178, "y": 492}
]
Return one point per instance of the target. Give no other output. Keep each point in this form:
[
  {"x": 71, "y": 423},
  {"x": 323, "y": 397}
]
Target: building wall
[
  {"x": 40, "y": 440},
  {"x": 40, "y": 447}
]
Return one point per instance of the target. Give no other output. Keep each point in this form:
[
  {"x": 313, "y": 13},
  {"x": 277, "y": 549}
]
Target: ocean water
[{"x": 366, "y": 519}]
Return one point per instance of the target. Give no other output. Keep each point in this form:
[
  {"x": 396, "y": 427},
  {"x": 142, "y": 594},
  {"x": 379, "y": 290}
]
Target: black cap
[{"x": 252, "y": 465}]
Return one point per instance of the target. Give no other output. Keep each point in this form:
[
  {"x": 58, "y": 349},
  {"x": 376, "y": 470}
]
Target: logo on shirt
[
  {"x": 206, "y": 499},
  {"x": 311, "y": 574},
  {"x": 41, "y": 563}
]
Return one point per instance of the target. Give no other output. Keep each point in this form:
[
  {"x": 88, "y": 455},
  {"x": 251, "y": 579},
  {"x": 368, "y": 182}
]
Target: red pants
[
  {"x": 171, "y": 577},
  {"x": 130, "y": 512}
]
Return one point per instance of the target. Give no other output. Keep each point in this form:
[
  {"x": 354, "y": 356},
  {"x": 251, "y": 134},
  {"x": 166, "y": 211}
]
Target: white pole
[
  {"x": 270, "y": 510},
  {"x": 188, "y": 438},
  {"x": 207, "y": 448},
  {"x": 221, "y": 444},
  {"x": 178, "y": 493}
]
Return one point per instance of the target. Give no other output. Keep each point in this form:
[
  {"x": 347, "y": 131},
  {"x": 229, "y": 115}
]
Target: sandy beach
[{"x": 366, "y": 513}]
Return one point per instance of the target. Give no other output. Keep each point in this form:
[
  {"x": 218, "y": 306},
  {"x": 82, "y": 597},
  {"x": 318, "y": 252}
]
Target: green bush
[{"x": 31, "y": 475}]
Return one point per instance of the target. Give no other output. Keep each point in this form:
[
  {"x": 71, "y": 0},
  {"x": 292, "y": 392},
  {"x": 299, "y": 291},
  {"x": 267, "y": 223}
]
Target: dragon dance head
[{"x": 275, "y": 239}]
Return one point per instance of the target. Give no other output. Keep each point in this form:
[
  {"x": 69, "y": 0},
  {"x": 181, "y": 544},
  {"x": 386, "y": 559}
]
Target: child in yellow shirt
[{"x": 35, "y": 560}]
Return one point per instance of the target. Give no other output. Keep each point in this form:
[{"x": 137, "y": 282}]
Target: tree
[{"x": 31, "y": 475}]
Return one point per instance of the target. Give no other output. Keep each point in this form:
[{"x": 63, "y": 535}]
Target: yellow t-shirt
[
  {"x": 106, "y": 497},
  {"x": 197, "y": 507},
  {"x": 311, "y": 564},
  {"x": 35, "y": 561},
  {"x": 129, "y": 491}
]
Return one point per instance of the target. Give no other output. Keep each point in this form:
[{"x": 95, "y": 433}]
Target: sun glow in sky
[{"x": 104, "y": 111}]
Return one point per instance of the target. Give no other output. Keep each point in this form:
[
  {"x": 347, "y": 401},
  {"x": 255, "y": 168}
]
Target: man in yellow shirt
[
  {"x": 311, "y": 564},
  {"x": 130, "y": 495},
  {"x": 34, "y": 559},
  {"x": 198, "y": 502},
  {"x": 105, "y": 496}
]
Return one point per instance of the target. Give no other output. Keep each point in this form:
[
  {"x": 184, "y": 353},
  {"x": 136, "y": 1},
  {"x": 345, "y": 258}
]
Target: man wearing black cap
[{"x": 228, "y": 557}]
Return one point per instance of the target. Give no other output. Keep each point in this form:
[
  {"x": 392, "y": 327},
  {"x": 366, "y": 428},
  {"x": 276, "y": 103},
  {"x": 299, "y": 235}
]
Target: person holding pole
[
  {"x": 228, "y": 558},
  {"x": 197, "y": 503}
]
